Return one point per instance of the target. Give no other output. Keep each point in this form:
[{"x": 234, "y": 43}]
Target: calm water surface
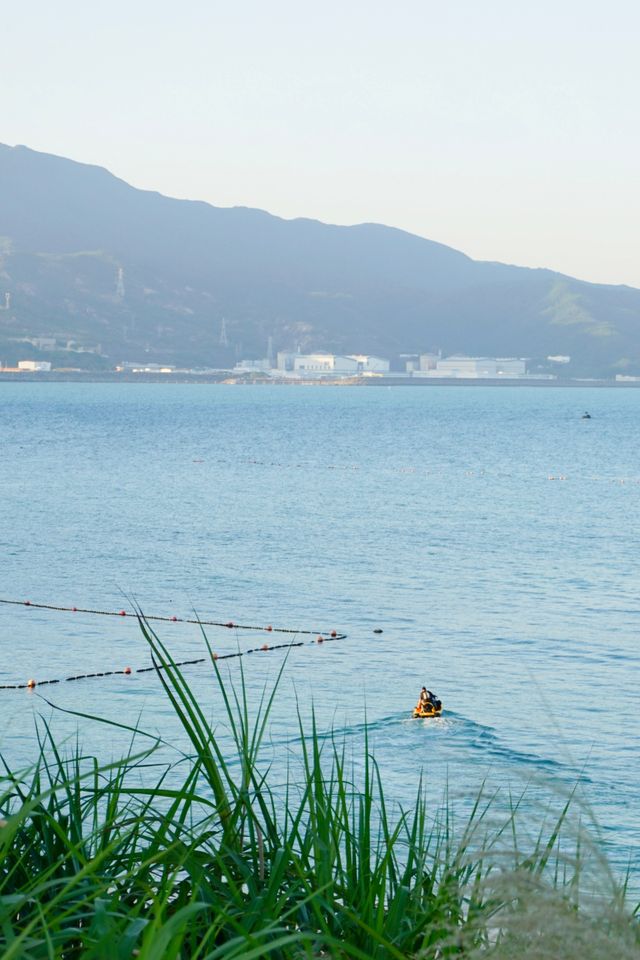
[{"x": 430, "y": 513}]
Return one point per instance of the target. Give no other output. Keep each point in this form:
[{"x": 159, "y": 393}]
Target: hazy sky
[{"x": 509, "y": 130}]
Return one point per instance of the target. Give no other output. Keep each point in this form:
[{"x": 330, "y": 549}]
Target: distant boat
[{"x": 586, "y": 416}]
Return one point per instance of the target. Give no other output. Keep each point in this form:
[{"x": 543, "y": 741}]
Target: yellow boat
[{"x": 431, "y": 709}]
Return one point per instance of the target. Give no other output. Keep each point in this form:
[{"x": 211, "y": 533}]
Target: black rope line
[
  {"x": 204, "y": 623},
  {"x": 31, "y": 684},
  {"x": 320, "y": 638}
]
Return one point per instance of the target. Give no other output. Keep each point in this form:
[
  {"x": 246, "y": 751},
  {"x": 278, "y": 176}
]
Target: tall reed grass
[{"x": 114, "y": 861}]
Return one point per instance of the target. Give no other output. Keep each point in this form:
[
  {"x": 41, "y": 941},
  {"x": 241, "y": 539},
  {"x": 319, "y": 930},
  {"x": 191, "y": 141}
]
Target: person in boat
[{"x": 425, "y": 700}]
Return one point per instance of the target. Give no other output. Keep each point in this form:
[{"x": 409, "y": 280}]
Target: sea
[{"x": 481, "y": 541}]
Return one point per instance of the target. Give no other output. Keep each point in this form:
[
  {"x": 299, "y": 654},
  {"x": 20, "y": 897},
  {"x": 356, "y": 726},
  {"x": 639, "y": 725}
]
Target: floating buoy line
[{"x": 126, "y": 671}]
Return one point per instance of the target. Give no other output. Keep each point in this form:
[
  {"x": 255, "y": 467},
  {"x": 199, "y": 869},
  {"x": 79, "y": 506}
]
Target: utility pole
[{"x": 120, "y": 284}]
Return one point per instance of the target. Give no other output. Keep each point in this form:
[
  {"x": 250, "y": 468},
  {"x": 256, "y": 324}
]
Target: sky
[{"x": 508, "y": 130}]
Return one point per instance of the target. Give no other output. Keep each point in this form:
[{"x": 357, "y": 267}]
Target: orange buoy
[
  {"x": 74, "y": 609},
  {"x": 269, "y": 628},
  {"x": 319, "y": 639},
  {"x": 127, "y": 670},
  {"x": 27, "y": 603},
  {"x": 334, "y": 633},
  {"x": 31, "y": 684},
  {"x": 265, "y": 646},
  {"x": 214, "y": 656},
  {"x": 122, "y": 613},
  {"x": 174, "y": 619},
  {"x": 230, "y": 624}
]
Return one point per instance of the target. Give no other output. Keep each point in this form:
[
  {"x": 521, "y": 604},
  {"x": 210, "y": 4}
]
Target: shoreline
[{"x": 231, "y": 381}]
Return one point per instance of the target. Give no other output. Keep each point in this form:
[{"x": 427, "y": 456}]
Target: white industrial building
[
  {"x": 511, "y": 367},
  {"x": 35, "y": 366},
  {"x": 253, "y": 366},
  {"x": 459, "y": 367},
  {"x": 322, "y": 364},
  {"x": 429, "y": 361},
  {"x": 421, "y": 362},
  {"x": 129, "y": 366},
  {"x": 367, "y": 364},
  {"x": 319, "y": 363},
  {"x": 284, "y": 360}
]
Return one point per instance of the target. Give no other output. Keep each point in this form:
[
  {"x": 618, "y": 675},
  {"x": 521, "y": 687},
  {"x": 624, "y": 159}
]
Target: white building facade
[
  {"x": 367, "y": 364},
  {"x": 324, "y": 363},
  {"x": 253, "y": 366},
  {"x": 34, "y": 366},
  {"x": 471, "y": 368}
]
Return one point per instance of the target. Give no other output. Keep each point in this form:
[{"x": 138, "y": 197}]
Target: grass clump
[{"x": 124, "y": 860}]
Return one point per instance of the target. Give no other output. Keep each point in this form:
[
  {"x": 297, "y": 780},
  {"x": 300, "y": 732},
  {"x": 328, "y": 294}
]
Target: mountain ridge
[{"x": 68, "y": 228}]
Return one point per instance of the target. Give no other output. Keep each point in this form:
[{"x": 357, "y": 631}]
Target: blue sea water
[{"x": 491, "y": 533}]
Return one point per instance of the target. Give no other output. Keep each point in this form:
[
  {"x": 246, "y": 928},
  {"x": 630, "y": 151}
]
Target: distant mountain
[{"x": 129, "y": 274}]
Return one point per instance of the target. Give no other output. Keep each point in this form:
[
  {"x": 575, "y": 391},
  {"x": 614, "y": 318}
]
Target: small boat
[
  {"x": 586, "y": 416},
  {"x": 431, "y": 709}
]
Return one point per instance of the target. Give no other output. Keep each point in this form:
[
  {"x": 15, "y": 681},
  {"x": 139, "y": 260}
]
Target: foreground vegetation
[{"x": 96, "y": 863}]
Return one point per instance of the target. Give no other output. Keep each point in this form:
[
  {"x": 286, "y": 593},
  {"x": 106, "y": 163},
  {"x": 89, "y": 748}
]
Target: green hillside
[{"x": 114, "y": 273}]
